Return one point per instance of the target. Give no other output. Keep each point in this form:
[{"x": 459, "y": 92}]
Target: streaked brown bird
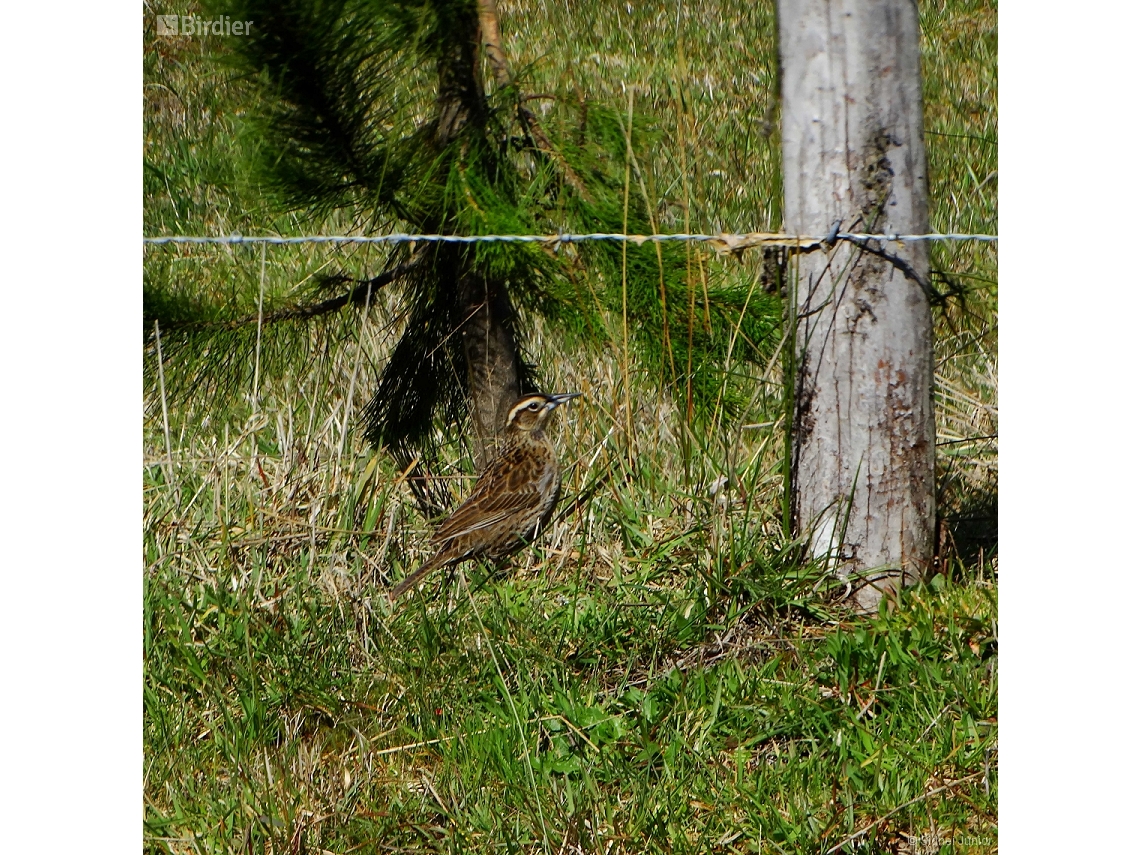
[{"x": 511, "y": 501}]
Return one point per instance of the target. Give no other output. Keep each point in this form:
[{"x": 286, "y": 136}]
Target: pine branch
[
  {"x": 357, "y": 295},
  {"x": 500, "y": 68}
]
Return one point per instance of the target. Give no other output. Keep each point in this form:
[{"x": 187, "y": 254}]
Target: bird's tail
[{"x": 412, "y": 578}]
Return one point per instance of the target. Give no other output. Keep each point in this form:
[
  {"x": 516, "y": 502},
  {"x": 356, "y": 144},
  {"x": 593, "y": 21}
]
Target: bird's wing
[
  {"x": 497, "y": 496},
  {"x": 482, "y": 511}
]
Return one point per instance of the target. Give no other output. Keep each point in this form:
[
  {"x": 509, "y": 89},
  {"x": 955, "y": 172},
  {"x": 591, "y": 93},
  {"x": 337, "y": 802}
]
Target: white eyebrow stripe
[{"x": 522, "y": 405}]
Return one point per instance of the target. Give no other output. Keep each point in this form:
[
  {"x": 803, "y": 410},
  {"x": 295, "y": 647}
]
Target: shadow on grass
[{"x": 970, "y": 530}]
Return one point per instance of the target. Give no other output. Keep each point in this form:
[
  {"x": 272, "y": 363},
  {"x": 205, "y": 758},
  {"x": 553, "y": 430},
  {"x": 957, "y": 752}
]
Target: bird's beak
[{"x": 555, "y": 400}]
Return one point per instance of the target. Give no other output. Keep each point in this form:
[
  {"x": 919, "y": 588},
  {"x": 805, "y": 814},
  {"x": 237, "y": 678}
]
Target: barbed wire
[{"x": 723, "y": 242}]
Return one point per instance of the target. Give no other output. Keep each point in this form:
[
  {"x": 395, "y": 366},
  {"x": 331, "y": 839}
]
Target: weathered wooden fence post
[{"x": 863, "y": 437}]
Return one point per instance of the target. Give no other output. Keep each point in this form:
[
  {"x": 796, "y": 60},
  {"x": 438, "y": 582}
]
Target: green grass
[
  {"x": 660, "y": 673},
  {"x": 575, "y": 707}
]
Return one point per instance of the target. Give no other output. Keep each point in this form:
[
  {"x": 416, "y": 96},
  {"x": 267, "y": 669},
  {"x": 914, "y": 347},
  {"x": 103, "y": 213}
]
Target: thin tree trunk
[
  {"x": 460, "y": 100},
  {"x": 492, "y": 359},
  {"x": 863, "y": 437},
  {"x": 484, "y": 313},
  {"x": 493, "y": 47}
]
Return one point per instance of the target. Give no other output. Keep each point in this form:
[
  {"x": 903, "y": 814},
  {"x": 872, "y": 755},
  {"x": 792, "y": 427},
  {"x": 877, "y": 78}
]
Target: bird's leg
[
  {"x": 453, "y": 601},
  {"x": 499, "y": 568}
]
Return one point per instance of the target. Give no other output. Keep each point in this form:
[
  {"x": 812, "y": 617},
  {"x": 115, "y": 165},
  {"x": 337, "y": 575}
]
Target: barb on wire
[{"x": 723, "y": 243}]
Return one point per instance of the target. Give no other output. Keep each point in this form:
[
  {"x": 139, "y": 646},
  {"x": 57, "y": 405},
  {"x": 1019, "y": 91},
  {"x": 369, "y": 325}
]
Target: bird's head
[{"x": 531, "y": 412}]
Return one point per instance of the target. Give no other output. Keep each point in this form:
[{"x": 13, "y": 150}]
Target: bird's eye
[{"x": 533, "y": 406}]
